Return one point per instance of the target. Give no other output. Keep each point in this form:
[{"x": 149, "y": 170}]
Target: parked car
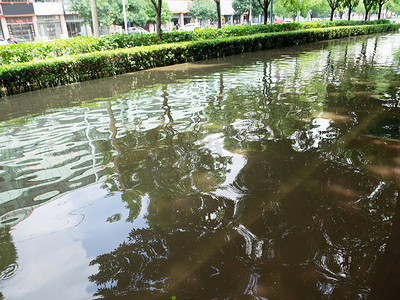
[
  {"x": 137, "y": 30},
  {"x": 20, "y": 40},
  {"x": 16, "y": 40},
  {"x": 3, "y": 42},
  {"x": 190, "y": 27}
]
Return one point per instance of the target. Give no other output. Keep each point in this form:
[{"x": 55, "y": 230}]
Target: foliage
[
  {"x": 369, "y": 5},
  {"x": 350, "y": 4},
  {"x": 293, "y": 6},
  {"x": 334, "y": 5},
  {"x": 394, "y": 6},
  {"x": 22, "y": 77},
  {"x": 380, "y": 4},
  {"x": 319, "y": 8},
  {"x": 8, "y": 253},
  {"x": 166, "y": 14},
  {"x": 243, "y": 6},
  {"x": 138, "y": 12},
  {"x": 24, "y": 52},
  {"x": 203, "y": 10},
  {"x": 397, "y": 55}
]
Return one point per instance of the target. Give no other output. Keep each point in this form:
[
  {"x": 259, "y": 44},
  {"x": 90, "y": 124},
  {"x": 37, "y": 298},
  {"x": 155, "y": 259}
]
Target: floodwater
[{"x": 269, "y": 175}]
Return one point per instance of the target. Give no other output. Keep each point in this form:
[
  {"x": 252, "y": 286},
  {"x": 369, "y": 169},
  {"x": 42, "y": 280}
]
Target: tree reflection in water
[
  {"x": 314, "y": 240},
  {"x": 310, "y": 219}
]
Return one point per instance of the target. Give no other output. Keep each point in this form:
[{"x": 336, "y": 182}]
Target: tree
[
  {"x": 202, "y": 10},
  {"x": 110, "y": 13},
  {"x": 380, "y": 4},
  {"x": 281, "y": 10},
  {"x": 394, "y": 6},
  {"x": 139, "y": 12},
  {"x": 368, "y": 5},
  {"x": 334, "y": 5},
  {"x": 166, "y": 14},
  {"x": 243, "y": 6},
  {"x": 318, "y": 8},
  {"x": 350, "y": 4},
  {"x": 292, "y": 7}
]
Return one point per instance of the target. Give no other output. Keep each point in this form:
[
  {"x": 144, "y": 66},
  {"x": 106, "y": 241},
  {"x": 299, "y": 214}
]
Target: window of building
[
  {"x": 74, "y": 25},
  {"x": 49, "y": 27}
]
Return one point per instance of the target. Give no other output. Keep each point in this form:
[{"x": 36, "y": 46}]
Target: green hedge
[
  {"x": 25, "y": 52},
  {"x": 23, "y": 77}
]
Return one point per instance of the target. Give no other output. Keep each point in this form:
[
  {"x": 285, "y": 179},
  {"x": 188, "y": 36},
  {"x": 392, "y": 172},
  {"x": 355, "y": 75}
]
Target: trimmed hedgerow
[
  {"x": 23, "y": 77},
  {"x": 24, "y": 52}
]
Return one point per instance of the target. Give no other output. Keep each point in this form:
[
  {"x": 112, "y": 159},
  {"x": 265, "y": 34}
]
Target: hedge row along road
[
  {"x": 23, "y": 77},
  {"x": 24, "y": 52}
]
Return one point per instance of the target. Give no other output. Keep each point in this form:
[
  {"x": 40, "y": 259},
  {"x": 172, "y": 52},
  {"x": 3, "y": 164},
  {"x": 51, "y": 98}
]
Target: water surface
[{"x": 269, "y": 175}]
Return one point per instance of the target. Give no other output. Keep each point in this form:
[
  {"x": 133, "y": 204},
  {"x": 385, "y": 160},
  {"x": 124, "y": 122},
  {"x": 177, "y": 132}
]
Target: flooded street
[{"x": 268, "y": 175}]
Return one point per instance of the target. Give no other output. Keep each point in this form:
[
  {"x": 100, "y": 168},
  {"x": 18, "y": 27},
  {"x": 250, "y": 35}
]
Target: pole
[
  {"x": 95, "y": 19},
  {"x": 124, "y": 12},
  {"x": 271, "y": 11},
  {"x": 298, "y": 13},
  {"x": 250, "y": 16}
]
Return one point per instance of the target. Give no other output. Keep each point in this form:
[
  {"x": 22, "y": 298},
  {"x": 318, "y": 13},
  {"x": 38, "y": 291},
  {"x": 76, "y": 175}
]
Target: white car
[
  {"x": 136, "y": 30},
  {"x": 190, "y": 27},
  {"x": 3, "y": 42}
]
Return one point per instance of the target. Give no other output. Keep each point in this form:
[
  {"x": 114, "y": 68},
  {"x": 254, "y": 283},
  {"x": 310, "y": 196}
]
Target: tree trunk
[
  {"x": 379, "y": 12},
  {"x": 157, "y": 7},
  {"x": 265, "y": 4},
  {"x": 366, "y": 15},
  {"x": 158, "y": 19},
  {"x": 95, "y": 19},
  {"x": 349, "y": 16},
  {"x": 332, "y": 12},
  {"x": 265, "y": 7},
  {"x": 218, "y": 2}
]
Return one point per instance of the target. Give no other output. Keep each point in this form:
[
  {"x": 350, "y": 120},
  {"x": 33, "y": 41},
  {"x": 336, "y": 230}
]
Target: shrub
[{"x": 35, "y": 51}]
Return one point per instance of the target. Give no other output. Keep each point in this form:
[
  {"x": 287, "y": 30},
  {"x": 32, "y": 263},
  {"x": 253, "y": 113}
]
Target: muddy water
[{"x": 270, "y": 175}]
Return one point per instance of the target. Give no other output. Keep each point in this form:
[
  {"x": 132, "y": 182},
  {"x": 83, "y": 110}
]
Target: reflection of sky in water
[
  {"x": 70, "y": 231},
  {"x": 320, "y": 131}
]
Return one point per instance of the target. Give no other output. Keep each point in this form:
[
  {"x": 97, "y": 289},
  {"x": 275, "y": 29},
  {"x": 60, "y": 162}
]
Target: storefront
[
  {"x": 49, "y": 27},
  {"x": 50, "y": 20},
  {"x": 75, "y": 25},
  {"x": 21, "y": 27},
  {"x": 17, "y": 20}
]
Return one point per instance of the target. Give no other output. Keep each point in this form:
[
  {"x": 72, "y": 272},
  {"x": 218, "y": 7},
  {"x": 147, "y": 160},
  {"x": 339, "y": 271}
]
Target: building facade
[
  {"x": 39, "y": 20},
  {"x": 45, "y": 20}
]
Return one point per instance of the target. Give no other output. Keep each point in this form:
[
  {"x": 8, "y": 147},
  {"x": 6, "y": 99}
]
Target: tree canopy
[
  {"x": 138, "y": 12},
  {"x": 141, "y": 12},
  {"x": 203, "y": 10},
  {"x": 243, "y": 6}
]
